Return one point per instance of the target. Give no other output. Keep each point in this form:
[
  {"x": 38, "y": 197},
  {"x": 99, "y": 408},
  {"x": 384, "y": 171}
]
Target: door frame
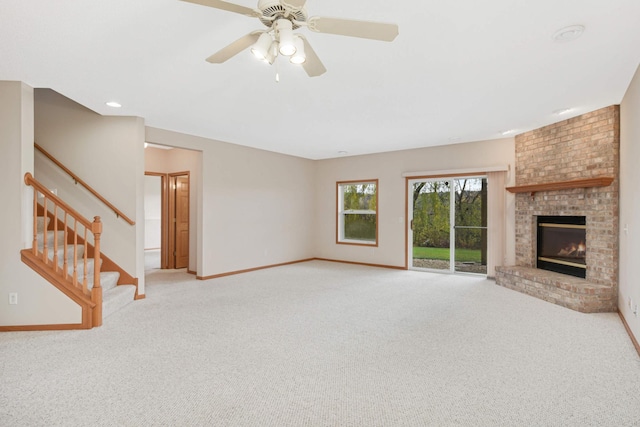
[{"x": 409, "y": 217}]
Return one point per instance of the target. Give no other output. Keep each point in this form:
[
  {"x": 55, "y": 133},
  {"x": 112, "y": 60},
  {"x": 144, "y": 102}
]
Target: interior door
[
  {"x": 178, "y": 241},
  {"x": 182, "y": 221}
]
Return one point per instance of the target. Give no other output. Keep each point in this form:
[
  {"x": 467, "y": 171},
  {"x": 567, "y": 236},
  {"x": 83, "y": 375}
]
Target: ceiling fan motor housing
[{"x": 273, "y": 10}]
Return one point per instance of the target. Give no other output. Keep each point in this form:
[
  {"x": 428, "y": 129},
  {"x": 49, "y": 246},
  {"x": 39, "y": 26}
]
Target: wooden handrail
[
  {"x": 84, "y": 184},
  {"x": 30, "y": 180}
]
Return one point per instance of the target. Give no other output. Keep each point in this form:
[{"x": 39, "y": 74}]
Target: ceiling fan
[{"x": 281, "y": 17}]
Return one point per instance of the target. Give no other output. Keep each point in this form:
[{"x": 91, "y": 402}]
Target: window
[{"x": 357, "y": 211}]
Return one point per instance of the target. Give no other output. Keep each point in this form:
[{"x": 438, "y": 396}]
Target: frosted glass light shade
[
  {"x": 261, "y": 48},
  {"x": 284, "y": 31},
  {"x": 298, "y": 57}
]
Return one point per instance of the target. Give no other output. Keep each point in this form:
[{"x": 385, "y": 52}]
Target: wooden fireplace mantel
[{"x": 602, "y": 181}]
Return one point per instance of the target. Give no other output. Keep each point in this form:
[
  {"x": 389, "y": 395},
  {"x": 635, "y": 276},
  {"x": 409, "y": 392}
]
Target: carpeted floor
[{"x": 326, "y": 344}]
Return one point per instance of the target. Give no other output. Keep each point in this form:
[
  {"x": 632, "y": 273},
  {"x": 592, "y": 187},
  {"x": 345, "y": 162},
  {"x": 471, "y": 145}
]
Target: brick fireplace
[{"x": 569, "y": 169}]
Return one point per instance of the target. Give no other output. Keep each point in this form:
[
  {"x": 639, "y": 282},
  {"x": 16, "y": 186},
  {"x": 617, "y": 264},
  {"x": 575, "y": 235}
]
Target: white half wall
[
  {"x": 629, "y": 284},
  {"x": 39, "y": 302},
  {"x": 388, "y": 169}
]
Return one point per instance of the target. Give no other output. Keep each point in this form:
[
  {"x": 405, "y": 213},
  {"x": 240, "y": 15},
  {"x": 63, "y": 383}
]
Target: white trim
[{"x": 503, "y": 168}]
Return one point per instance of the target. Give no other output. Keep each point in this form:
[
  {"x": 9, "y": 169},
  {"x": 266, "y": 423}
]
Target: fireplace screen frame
[{"x": 573, "y": 267}]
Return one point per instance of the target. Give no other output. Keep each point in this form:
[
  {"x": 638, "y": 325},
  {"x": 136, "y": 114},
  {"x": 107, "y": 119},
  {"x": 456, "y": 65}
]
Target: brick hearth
[{"x": 579, "y": 148}]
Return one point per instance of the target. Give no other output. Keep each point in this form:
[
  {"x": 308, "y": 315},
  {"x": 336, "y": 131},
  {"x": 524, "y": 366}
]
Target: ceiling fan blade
[
  {"x": 293, "y": 4},
  {"x": 234, "y": 48},
  {"x": 230, "y": 7},
  {"x": 351, "y": 28},
  {"x": 313, "y": 66}
]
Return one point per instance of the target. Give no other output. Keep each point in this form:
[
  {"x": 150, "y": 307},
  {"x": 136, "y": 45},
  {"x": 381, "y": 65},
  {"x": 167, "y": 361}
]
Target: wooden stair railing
[
  {"x": 77, "y": 180},
  {"x": 77, "y": 231}
]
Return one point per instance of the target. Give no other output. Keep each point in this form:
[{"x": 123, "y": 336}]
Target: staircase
[
  {"x": 114, "y": 296},
  {"x": 66, "y": 252}
]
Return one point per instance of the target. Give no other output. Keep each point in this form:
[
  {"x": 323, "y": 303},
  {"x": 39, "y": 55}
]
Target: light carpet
[{"x": 326, "y": 344}]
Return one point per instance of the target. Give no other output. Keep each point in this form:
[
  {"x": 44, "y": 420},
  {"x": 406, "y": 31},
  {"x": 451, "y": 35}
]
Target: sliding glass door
[
  {"x": 448, "y": 224},
  {"x": 431, "y": 225}
]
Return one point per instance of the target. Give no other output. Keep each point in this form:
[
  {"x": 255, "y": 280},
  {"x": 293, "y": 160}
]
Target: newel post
[{"x": 96, "y": 291}]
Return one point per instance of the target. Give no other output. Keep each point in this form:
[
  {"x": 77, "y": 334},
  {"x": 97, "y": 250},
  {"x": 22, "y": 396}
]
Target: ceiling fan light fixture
[
  {"x": 261, "y": 48},
  {"x": 282, "y": 17},
  {"x": 284, "y": 34},
  {"x": 299, "y": 57}
]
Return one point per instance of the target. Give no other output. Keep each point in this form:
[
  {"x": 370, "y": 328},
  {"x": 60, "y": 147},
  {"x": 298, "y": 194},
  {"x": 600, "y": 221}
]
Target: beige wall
[
  {"x": 107, "y": 152},
  {"x": 388, "y": 169},
  {"x": 180, "y": 160},
  {"x": 39, "y": 302},
  {"x": 257, "y": 206},
  {"x": 629, "y": 286}
]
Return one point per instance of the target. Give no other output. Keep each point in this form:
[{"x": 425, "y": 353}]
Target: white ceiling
[{"x": 459, "y": 71}]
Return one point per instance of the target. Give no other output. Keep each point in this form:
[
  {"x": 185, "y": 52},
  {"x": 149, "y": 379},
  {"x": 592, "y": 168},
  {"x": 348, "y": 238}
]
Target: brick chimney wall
[{"x": 582, "y": 147}]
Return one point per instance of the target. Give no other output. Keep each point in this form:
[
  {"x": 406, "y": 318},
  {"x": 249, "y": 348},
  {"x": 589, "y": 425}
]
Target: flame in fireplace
[{"x": 574, "y": 249}]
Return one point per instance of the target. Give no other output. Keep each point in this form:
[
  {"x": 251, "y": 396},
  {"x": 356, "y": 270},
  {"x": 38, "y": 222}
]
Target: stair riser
[{"x": 115, "y": 299}]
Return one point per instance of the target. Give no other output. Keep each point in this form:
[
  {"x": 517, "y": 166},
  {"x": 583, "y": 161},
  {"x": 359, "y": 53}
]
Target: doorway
[
  {"x": 448, "y": 224},
  {"x": 155, "y": 234},
  {"x": 167, "y": 220}
]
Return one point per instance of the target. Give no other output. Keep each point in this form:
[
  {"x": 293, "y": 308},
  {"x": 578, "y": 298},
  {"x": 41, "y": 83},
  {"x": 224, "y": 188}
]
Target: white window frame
[{"x": 340, "y": 212}]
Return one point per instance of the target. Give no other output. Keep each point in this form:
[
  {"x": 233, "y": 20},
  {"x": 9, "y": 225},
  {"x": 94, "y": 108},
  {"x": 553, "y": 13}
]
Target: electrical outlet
[{"x": 13, "y": 298}]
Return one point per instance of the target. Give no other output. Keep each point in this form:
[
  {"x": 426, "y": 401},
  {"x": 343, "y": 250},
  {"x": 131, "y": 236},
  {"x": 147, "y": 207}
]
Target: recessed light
[
  {"x": 342, "y": 153},
  {"x": 509, "y": 132},
  {"x": 454, "y": 139},
  {"x": 563, "y": 111},
  {"x": 113, "y": 104},
  {"x": 568, "y": 34}
]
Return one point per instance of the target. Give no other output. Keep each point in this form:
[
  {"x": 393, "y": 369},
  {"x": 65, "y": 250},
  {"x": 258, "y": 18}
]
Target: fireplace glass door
[{"x": 562, "y": 244}]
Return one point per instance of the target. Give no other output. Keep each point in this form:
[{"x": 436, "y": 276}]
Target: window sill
[{"x": 357, "y": 243}]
